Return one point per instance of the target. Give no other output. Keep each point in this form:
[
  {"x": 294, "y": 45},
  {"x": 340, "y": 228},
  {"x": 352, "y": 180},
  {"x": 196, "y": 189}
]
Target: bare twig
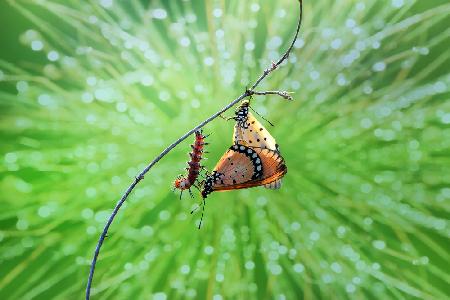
[
  {"x": 283, "y": 94},
  {"x": 285, "y": 55},
  {"x": 138, "y": 178}
]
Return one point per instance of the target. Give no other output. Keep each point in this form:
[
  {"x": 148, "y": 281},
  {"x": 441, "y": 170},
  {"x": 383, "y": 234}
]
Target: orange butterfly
[
  {"x": 249, "y": 132},
  {"x": 245, "y": 167}
]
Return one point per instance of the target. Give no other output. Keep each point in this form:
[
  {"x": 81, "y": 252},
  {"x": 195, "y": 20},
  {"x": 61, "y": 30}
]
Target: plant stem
[
  {"x": 174, "y": 144},
  {"x": 283, "y": 94}
]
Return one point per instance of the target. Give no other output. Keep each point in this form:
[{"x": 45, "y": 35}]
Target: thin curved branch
[
  {"x": 285, "y": 55},
  {"x": 283, "y": 94},
  {"x": 141, "y": 175}
]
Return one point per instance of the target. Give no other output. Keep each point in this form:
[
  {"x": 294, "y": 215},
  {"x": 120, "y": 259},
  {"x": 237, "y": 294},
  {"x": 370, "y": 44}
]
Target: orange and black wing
[
  {"x": 274, "y": 168},
  {"x": 244, "y": 167}
]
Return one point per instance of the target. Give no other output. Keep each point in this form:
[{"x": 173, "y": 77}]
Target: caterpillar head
[{"x": 180, "y": 183}]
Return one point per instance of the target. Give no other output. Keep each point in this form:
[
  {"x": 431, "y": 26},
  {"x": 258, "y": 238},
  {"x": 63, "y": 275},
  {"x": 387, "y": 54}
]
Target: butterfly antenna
[{"x": 262, "y": 117}]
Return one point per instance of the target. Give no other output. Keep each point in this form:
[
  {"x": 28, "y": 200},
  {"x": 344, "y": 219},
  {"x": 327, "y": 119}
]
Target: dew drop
[
  {"x": 37, "y": 45},
  {"x": 379, "y": 66}
]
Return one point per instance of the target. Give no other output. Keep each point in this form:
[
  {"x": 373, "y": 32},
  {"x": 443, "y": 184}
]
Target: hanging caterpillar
[{"x": 186, "y": 182}]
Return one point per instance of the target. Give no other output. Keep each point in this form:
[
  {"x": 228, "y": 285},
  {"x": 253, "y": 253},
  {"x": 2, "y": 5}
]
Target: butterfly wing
[
  {"x": 244, "y": 167},
  {"x": 238, "y": 165},
  {"x": 251, "y": 133}
]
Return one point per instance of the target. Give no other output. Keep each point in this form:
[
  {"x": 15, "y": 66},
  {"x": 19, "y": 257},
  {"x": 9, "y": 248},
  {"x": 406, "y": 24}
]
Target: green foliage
[{"x": 364, "y": 208}]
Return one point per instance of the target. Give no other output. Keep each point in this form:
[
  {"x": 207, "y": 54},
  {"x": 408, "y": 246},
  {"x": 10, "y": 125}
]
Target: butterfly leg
[
  {"x": 221, "y": 116},
  {"x": 197, "y": 187},
  {"x": 202, "y": 168},
  {"x": 203, "y": 203},
  {"x": 181, "y": 194},
  {"x": 203, "y": 212},
  {"x": 190, "y": 193}
]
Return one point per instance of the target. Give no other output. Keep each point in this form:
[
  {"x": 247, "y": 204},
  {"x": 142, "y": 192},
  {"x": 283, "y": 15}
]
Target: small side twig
[
  {"x": 138, "y": 178},
  {"x": 283, "y": 94}
]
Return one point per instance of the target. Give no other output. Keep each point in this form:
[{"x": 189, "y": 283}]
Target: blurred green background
[{"x": 91, "y": 91}]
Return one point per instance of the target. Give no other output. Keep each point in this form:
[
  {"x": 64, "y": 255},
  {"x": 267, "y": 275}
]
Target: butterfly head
[{"x": 209, "y": 183}]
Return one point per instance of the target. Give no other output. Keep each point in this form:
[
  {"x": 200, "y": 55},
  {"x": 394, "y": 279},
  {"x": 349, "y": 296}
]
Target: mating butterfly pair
[{"x": 253, "y": 160}]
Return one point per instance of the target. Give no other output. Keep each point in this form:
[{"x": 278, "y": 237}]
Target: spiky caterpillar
[{"x": 186, "y": 182}]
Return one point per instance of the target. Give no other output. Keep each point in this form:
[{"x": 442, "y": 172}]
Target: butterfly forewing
[{"x": 252, "y": 133}]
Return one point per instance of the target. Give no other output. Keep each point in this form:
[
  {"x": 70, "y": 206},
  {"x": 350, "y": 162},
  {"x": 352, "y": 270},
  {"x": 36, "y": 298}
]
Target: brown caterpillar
[{"x": 186, "y": 182}]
